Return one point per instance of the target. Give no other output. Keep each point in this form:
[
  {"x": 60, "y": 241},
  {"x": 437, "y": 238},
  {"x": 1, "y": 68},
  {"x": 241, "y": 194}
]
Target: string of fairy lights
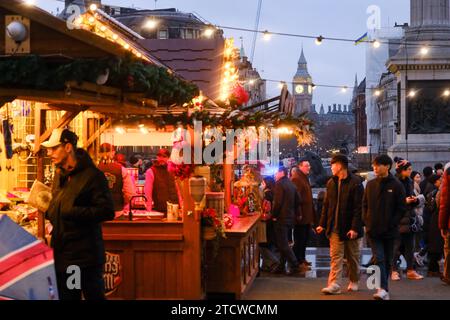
[{"x": 230, "y": 72}]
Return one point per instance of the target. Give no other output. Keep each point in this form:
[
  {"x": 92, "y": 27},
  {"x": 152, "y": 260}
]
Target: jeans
[
  {"x": 383, "y": 251},
  {"x": 92, "y": 285},
  {"x": 339, "y": 248},
  {"x": 281, "y": 234},
  {"x": 301, "y": 235},
  {"x": 404, "y": 245}
]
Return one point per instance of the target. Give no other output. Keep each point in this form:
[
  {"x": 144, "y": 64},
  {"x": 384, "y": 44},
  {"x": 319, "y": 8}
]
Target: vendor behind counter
[
  {"x": 160, "y": 186},
  {"x": 119, "y": 180}
]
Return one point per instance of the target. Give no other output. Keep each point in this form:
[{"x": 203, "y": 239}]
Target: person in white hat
[{"x": 81, "y": 202}]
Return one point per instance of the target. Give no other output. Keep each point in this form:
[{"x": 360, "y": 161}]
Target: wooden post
[
  {"x": 39, "y": 129},
  {"x": 228, "y": 181},
  {"x": 192, "y": 268}
]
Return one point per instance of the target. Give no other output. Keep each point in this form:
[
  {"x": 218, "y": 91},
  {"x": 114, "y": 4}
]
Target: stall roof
[
  {"x": 51, "y": 37},
  {"x": 44, "y": 18}
]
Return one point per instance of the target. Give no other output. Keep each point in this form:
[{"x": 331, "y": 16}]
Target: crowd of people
[{"x": 405, "y": 214}]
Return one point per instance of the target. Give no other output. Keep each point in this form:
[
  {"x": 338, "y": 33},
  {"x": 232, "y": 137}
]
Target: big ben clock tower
[{"x": 302, "y": 87}]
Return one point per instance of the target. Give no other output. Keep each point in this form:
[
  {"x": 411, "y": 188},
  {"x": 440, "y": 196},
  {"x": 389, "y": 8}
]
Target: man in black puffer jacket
[
  {"x": 383, "y": 207},
  {"x": 341, "y": 220},
  {"x": 81, "y": 202}
]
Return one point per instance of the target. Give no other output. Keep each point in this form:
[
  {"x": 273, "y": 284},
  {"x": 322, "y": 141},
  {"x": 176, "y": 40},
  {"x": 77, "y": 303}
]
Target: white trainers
[
  {"x": 332, "y": 289},
  {"x": 352, "y": 286},
  {"x": 419, "y": 259},
  {"x": 395, "y": 276},
  {"x": 413, "y": 275},
  {"x": 381, "y": 295}
]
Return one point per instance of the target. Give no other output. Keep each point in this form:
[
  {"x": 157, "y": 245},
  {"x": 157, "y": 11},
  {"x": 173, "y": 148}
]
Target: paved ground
[
  {"x": 280, "y": 287},
  {"x": 292, "y": 288}
]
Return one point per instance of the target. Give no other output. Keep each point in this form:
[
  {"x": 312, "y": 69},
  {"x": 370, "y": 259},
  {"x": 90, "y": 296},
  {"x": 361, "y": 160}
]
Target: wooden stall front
[{"x": 237, "y": 263}]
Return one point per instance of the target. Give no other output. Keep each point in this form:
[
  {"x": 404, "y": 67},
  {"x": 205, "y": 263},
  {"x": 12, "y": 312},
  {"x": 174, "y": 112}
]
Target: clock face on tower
[{"x": 299, "y": 89}]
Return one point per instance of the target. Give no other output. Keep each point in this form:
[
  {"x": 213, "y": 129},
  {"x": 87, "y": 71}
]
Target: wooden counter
[
  {"x": 151, "y": 257},
  {"x": 236, "y": 264}
]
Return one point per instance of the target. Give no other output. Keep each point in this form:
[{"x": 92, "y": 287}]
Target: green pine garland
[{"x": 128, "y": 74}]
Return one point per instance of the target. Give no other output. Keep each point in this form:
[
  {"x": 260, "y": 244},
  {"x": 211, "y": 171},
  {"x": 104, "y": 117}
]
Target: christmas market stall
[{"x": 90, "y": 74}]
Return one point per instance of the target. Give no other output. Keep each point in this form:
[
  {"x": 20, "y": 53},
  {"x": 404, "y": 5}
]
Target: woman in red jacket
[{"x": 444, "y": 221}]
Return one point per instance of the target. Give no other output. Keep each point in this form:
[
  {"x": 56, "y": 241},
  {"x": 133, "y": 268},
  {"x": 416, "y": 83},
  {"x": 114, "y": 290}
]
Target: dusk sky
[{"x": 332, "y": 63}]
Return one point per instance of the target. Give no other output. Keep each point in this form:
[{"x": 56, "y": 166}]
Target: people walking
[
  {"x": 81, "y": 202},
  {"x": 268, "y": 250},
  {"x": 383, "y": 206},
  {"x": 404, "y": 243},
  {"x": 286, "y": 210},
  {"x": 435, "y": 241},
  {"x": 303, "y": 227},
  {"x": 341, "y": 221}
]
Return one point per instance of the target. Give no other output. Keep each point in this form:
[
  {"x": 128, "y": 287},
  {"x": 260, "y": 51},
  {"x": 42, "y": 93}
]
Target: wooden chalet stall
[
  {"x": 89, "y": 76},
  {"x": 158, "y": 259}
]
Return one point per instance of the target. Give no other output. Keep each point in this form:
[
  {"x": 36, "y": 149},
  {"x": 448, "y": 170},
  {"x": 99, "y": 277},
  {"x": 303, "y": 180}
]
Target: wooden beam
[
  {"x": 39, "y": 127},
  {"x": 65, "y": 120},
  {"x": 97, "y": 133}
]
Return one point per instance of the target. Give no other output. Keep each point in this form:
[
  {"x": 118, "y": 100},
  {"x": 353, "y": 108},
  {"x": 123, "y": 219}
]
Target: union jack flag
[{"x": 26, "y": 265}]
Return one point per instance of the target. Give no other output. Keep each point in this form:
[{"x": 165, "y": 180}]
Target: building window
[
  {"x": 163, "y": 34},
  {"x": 189, "y": 34}
]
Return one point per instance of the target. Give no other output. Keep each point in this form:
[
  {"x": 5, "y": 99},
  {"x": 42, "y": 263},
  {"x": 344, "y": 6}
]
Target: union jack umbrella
[{"x": 27, "y": 269}]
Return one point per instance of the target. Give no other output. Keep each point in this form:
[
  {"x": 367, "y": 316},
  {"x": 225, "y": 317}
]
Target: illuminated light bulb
[
  {"x": 377, "y": 93},
  {"x": 120, "y": 130},
  {"x": 281, "y": 85},
  {"x": 102, "y": 28},
  {"x": 424, "y": 51},
  {"x": 209, "y": 32},
  {"x": 251, "y": 82},
  {"x": 141, "y": 125},
  {"x": 126, "y": 46},
  {"x": 267, "y": 36},
  {"x": 151, "y": 24},
  {"x": 447, "y": 93},
  {"x": 227, "y": 65},
  {"x": 228, "y": 52},
  {"x": 30, "y": 2},
  {"x": 412, "y": 94},
  {"x": 115, "y": 37},
  {"x": 143, "y": 130},
  {"x": 93, "y": 7},
  {"x": 376, "y": 44},
  {"x": 319, "y": 40},
  {"x": 139, "y": 55},
  {"x": 91, "y": 20},
  {"x": 344, "y": 89},
  {"x": 78, "y": 21}
]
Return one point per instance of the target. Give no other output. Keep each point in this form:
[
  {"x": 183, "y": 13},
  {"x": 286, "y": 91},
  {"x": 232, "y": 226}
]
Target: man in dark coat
[
  {"x": 81, "y": 202},
  {"x": 341, "y": 221},
  {"x": 286, "y": 210},
  {"x": 383, "y": 206},
  {"x": 303, "y": 227}
]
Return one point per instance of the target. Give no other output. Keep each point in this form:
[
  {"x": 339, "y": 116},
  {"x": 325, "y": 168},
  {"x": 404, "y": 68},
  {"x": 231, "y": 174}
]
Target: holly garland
[{"x": 128, "y": 74}]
